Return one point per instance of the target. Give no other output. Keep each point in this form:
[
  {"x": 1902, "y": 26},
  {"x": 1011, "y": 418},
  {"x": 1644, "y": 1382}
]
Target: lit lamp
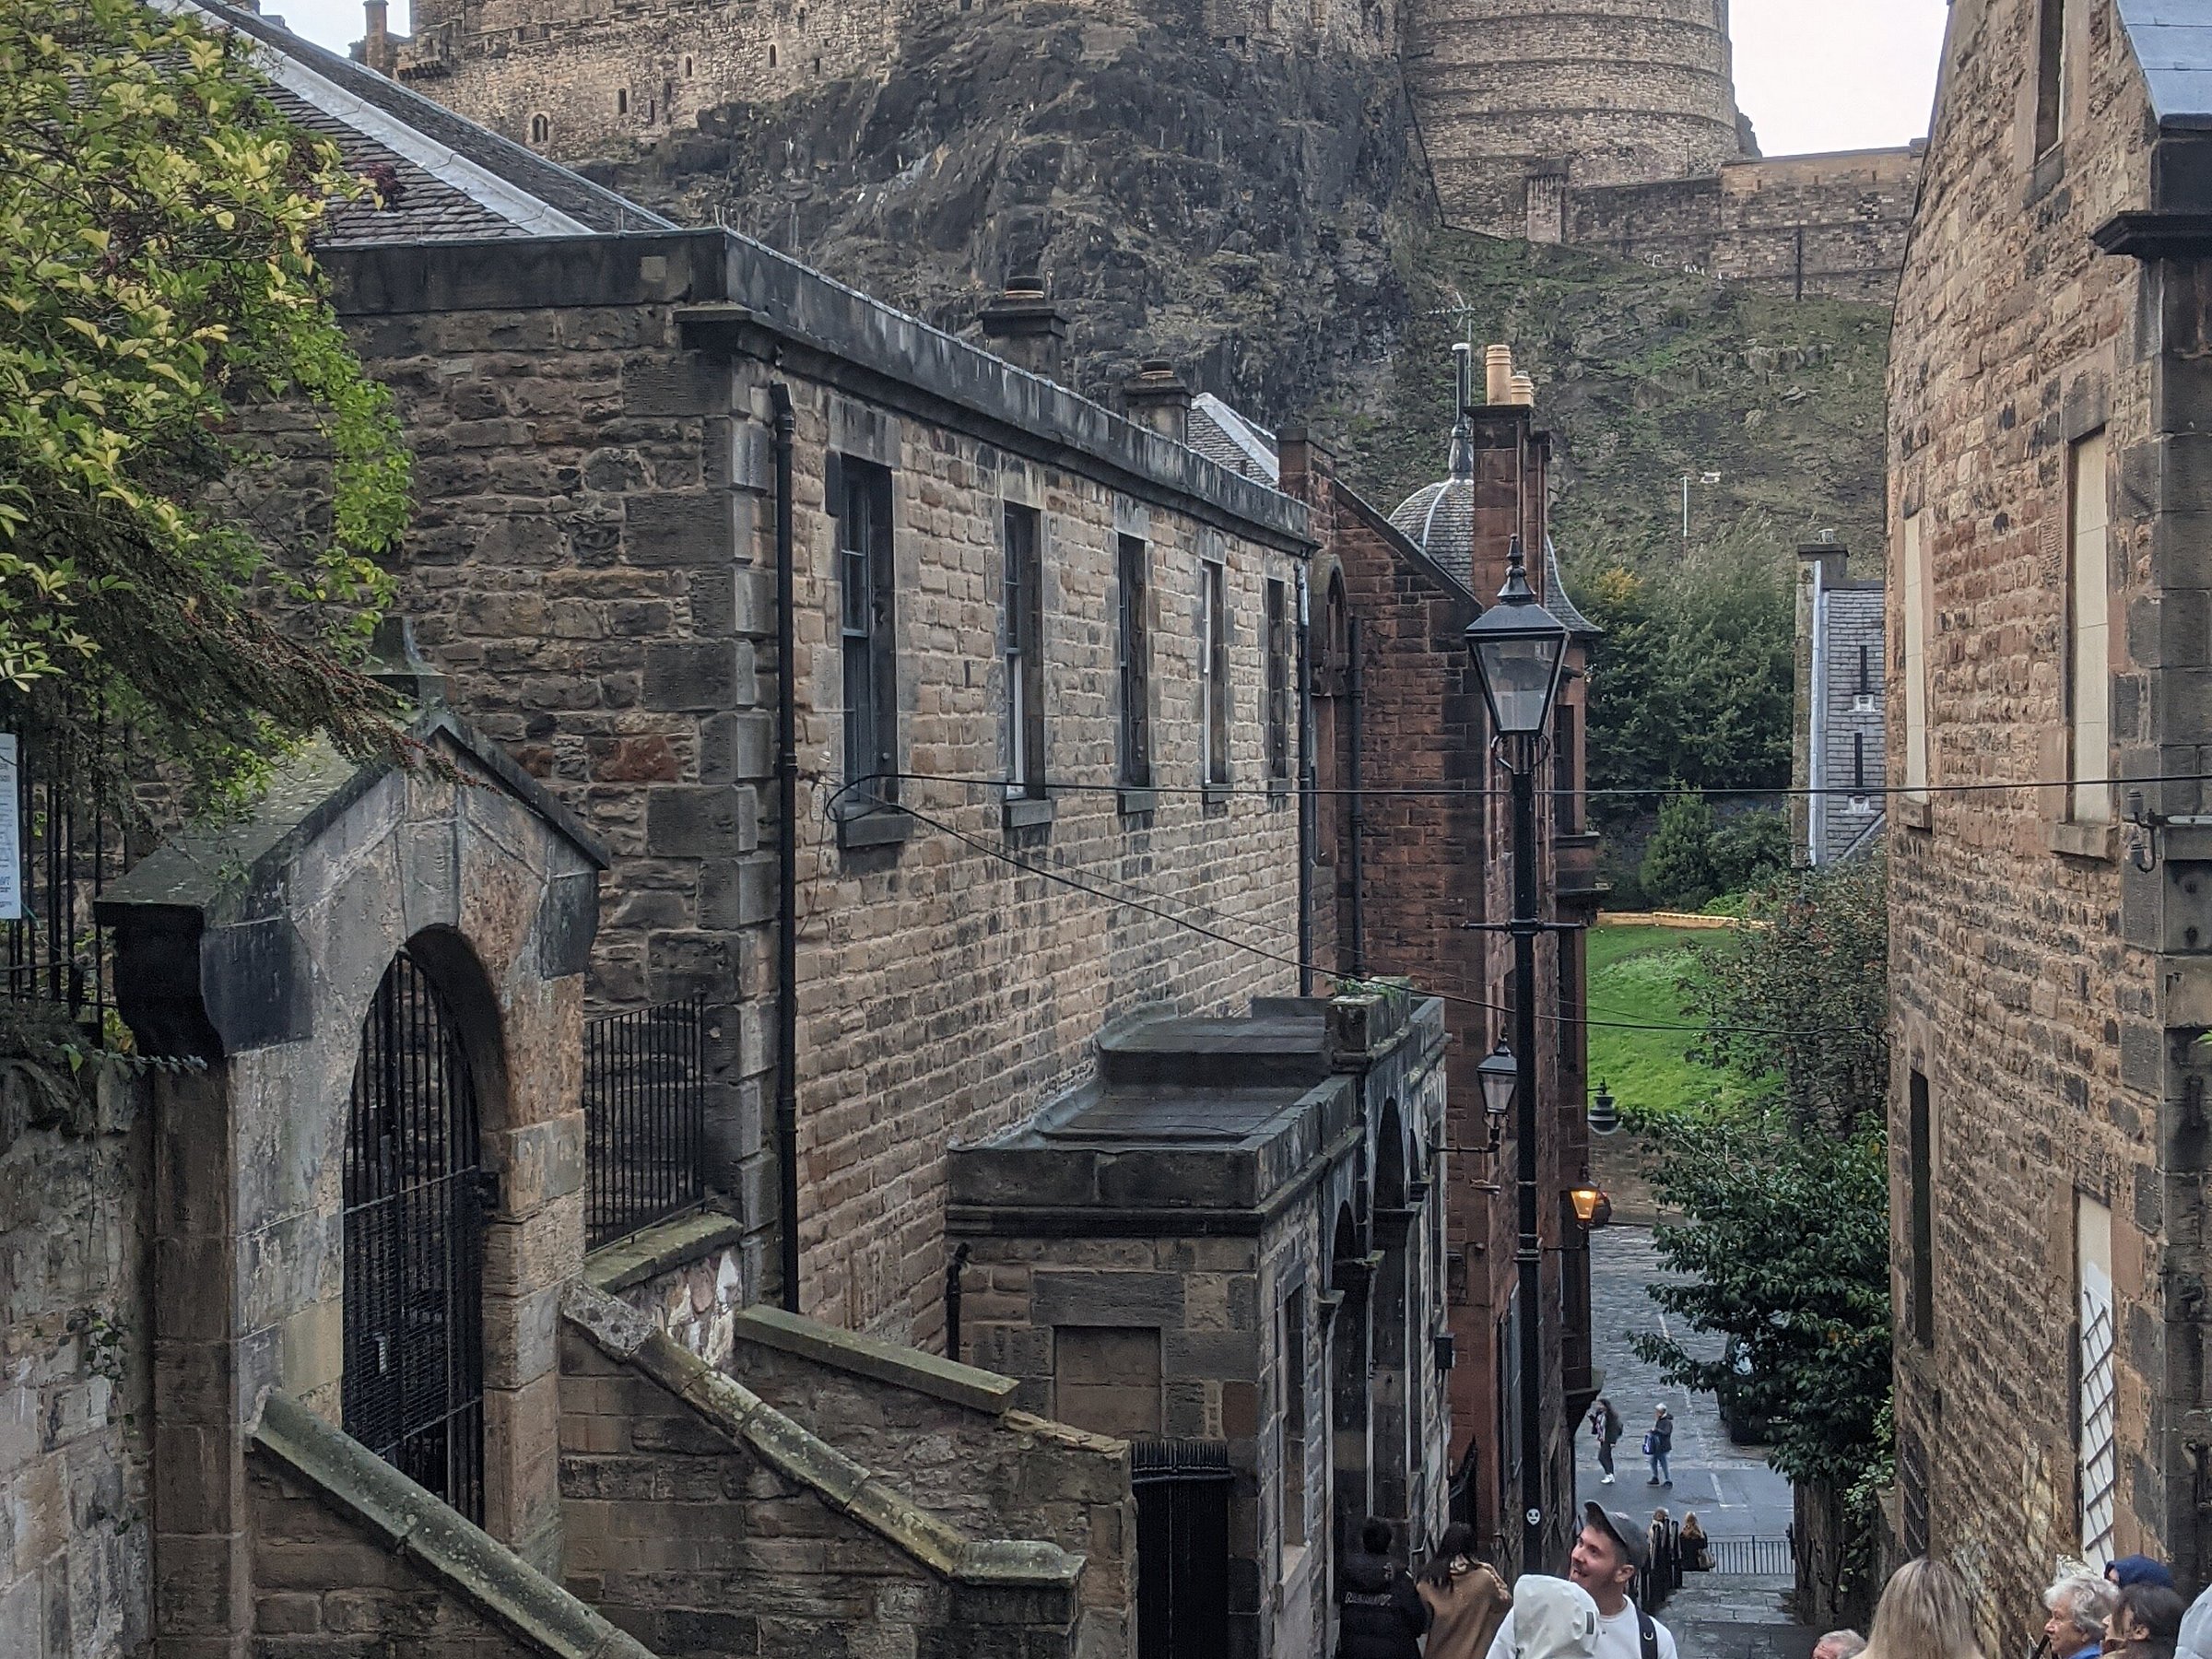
[
  {"x": 1604, "y": 1113},
  {"x": 1592, "y": 1208}
]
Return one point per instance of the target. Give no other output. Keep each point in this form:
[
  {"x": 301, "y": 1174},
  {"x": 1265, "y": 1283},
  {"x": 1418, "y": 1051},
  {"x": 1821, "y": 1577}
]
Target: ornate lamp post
[{"x": 1519, "y": 648}]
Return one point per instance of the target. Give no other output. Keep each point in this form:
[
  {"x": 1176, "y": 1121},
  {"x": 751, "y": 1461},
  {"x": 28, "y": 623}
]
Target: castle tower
[{"x": 1521, "y": 99}]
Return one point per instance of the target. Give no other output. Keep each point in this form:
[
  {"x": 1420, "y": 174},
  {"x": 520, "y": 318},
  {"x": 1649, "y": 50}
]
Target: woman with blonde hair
[{"x": 1924, "y": 1614}]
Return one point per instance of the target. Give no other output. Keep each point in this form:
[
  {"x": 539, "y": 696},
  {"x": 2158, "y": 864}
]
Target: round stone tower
[{"x": 1521, "y": 98}]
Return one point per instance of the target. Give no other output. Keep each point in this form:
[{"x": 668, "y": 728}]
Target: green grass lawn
[{"x": 1632, "y": 975}]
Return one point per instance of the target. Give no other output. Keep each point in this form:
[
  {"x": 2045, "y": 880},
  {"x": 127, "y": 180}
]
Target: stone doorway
[{"x": 416, "y": 1197}]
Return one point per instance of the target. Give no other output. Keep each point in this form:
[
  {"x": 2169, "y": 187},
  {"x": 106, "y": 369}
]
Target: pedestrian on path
[
  {"x": 2139, "y": 1569},
  {"x": 1697, "y": 1548},
  {"x": 1559, "y": 1619},
  {"x": 2146, "y": 1623},
  {"x": 1466, "y": 1599},
  {"x": 1380, "y": 1613},
  {"x": 1605, "y": 1428},
  {"x": 1607, "y": 1558},
  {"x": 1923, "y": 1614},
  {"x": 2078, "y": 1602},
  {"x": 1839, "y": 1644},
  {"x": 1658, "y": 1446}
]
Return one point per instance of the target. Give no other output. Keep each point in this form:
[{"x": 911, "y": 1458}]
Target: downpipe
[{"x": 787, "y": 861}]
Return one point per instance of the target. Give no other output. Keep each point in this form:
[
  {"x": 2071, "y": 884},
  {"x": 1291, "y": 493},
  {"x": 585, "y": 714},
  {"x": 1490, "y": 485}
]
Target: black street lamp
[{"x": 1519, "y": 648}]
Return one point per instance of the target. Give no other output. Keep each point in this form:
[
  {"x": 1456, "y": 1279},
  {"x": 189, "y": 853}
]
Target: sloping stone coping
[
  {"x": 886, "y": 1362},
  {"x": 744, "y": 1419},
  {"x": 433, "y": 1537},
  {"x": 660, "y": 1249}
]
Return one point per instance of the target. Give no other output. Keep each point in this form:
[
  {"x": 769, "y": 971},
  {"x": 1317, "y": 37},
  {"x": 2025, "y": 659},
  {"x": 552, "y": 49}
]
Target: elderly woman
[{"x": 2078, "y": 1602}]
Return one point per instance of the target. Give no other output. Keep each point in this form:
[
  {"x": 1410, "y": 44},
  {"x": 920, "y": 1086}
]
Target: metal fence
[
  {"x": 1753, "y": 1558},
  {"x": 644, "y": 1118},
  {"x": 62, "y": 841}
]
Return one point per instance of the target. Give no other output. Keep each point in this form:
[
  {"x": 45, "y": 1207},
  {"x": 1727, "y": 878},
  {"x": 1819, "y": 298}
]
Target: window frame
[
  {"x": 1916, "y": 616},
  {"x": 1276, "y": 612},
  {"x": 1216, "y": 705},
  {"x": 1919, "y": 1212},
  {"x": 2052, "y": 103},
  {"x": 867, "y": 630},
  {"x": 2089, "y": 631},
  {"x": 1132, "y": 589},
  {"x": 1021, "y": 649}
]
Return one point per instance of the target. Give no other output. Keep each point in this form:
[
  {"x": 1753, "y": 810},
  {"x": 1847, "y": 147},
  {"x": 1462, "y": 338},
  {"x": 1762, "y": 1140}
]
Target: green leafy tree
[
  {"x": 160, "y": 285},
  {"x": 1750, "y": 850},
  {"x": 1678, "y": 869}
]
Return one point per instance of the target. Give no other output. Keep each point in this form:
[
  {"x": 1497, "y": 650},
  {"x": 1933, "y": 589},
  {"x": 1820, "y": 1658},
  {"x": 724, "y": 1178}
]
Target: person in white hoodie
[
  {"x": 1551, "y": 1620},
  {"x": 1611, "y": 1551}
]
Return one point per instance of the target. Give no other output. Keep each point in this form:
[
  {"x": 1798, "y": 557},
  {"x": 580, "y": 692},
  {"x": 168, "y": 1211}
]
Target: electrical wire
[{"x": 1150, "y": 905}]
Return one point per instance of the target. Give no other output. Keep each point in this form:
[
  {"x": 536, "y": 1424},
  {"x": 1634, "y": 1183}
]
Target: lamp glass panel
[
  {"x": 1518, "y": 675},
  {"x": 1500, "y": 1074}
]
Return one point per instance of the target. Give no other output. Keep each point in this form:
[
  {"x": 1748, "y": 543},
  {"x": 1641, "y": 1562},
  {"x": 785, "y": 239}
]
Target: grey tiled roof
[
  {"x": 2172, "y": 42},
  {"x": 1557, "y": 601},
  {"x": 1227, "y": 439},
  {"x": 1848, "y": 765},
  {"x": 1440, "y": 520},
  {"x": 472, "y": 182}
]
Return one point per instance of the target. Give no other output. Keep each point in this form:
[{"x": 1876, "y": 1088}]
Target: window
[
  {"x": 1106, "y": 1379},
  {"x": 1022, "y": 643},
  {"x": 2050, "y": 75},
  {"x": 1566, "y": 797},
  {"x": 540, "y": 129},
  {"x": 866, "y": 617},
  {"x": 1278, "y": 682},
  {"x": 649, "y": 107},
  {"x": 687, "y": 68},
  {"x": 622, "y": 102},
  {"x": 1134, "y": 640},
  {"x": 2088, "y": 629},
  {"x": 771, "y": 57},
  {"x": 1917, "y": 599},
  {"x": 1858, "y": 763},
  {"x": 1213, "y": 671},
  {"x": 2094, "y": 1426},
  {"x": 1921, "y": 1219},
  {"x": 1291, "y": 1471}
]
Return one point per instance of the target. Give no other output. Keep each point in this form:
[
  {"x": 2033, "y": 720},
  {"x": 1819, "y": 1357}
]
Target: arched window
[
  {"x": 540, "y": 129},
  {"x": 649, "y": 112},
  {"x": 687, "y": 68},
  {"x": 771, "y": 57},
  {"x": 622, "y": 100}
]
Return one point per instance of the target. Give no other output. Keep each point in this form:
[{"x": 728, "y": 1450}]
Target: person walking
[
  {"x": 1608, "y": 1555},
  {"x": 2146, "y": 1622},
  {"x": 1557, "y": 1619},
  {"x": 2139, "y": 1569},
  {"x": 1605, "y": 1428},
  {"x": 1924, "y": 1613},
  {"x": 1658, "y": 1446},
  {"x": 1697, "y": 1548},
  {"x": 2078, "y": 1603},
  {"x": 1380, "y": 1613},
  {"x": 1466, "y": 1599}
]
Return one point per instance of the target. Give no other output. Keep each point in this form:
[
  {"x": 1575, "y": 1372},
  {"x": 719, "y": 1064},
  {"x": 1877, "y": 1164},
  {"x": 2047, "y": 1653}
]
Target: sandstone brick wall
[
  {"x": 76, "y": 1360},
  {"x": 1625, "y": 91},
  {"x": 2022, "y": 989},
  {"x": 323, "y": 1590}
]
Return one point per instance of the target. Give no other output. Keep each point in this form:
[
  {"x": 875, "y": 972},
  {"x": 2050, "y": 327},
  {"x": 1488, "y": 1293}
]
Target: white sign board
[{"x": 11, "y": 839}]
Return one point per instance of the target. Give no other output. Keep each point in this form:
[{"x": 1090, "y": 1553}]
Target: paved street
[{"x": 1727, "y": 1487}]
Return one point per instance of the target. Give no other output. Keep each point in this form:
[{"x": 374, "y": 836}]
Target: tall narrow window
[
  {"x": 866, "y": 617},
  {"x": 622, "y": 100},
  {"x": 1292, "y": 1475},
  {"x": 2095, "y": 1426},
  {"x": 1278, "y": 682},
  {"x": 2050, "y": 75},
  {"x": 1024, "y": 641},
  {"x": 541, "y": 128},
  {"x": 1921, "y": 1216},
  {"x": 1135, "y": 638},
  {"x": 2089, "y": 674},
  {"x": 1214, "y": 671},
  {"x": 1567, "y": 791},
  {"x": 1916, "y": 664},
  {"x": 1858, "y": 763},
  {"x": 1865, "y": 679}
]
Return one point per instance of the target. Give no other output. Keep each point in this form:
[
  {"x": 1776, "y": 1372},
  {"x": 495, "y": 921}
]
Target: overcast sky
[{"x": 1813, "y": 75}]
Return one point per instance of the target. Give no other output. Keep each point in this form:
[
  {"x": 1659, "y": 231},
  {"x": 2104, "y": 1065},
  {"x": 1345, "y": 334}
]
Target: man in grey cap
[{"x": 1608, "y": 1555}]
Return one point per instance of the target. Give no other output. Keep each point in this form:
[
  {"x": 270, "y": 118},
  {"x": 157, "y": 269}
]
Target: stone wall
[
  {"x": 76, "y": 1363},
  {"x": 2026, "y": 984}
]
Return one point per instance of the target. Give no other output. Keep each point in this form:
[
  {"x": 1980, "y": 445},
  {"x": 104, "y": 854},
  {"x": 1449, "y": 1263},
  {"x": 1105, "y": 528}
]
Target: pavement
[{"x": 1729, "y": 1488}]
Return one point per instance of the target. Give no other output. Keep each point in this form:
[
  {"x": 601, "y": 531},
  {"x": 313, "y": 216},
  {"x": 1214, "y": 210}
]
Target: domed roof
[{"x": 1439, "y": 518}]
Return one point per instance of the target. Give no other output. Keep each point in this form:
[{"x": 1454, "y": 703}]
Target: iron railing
[
  {"x": 1753, "y": 1558},
  {"x": 644, "y": 1118},
  {"x": 67, "y": 844}
]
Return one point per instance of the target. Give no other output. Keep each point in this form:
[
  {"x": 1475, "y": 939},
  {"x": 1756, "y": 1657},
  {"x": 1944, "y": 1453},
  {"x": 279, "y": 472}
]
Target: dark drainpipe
[
  {"x": 1357, "y": 697},
  {"x": 952, "y": 1299},
  {"x": 787, "y": 861},
  {"x": 1305, "y": 795}
]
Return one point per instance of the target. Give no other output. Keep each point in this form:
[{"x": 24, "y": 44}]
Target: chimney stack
[
  {"x": 1524, "y": 391},
  {"x": 1498, "y": 374},
  {"x": 1026, "y": 328},
  {"x": 1158, "y": 397}
]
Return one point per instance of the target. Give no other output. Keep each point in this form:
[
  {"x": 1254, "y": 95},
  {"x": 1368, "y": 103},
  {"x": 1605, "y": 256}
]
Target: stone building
[
  {"x": 1838, "y": 808},
  {"x": 2047, "y": 661},
  {"x": 1609, "y": 124}
]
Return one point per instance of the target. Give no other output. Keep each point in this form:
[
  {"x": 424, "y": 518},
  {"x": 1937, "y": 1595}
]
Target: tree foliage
[
  {"x": 1678, "y": 869},
  {"x": 157, "y": 214}
]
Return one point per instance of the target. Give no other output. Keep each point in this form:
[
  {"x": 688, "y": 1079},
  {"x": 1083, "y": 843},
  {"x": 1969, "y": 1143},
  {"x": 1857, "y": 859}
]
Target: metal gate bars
[
  {"x": 1182, "y": 1491},
  {"x": 415, "y": 1197}
]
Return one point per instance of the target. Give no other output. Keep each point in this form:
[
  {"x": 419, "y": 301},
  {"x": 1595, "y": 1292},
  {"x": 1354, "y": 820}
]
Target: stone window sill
[
  {"x": 2086, "y": 840},
  {"x": 1278, "y": 791},
  {"x": 2048, "y": 174},
  {"x": 1137, "y": 799},
  {"x": 886, "y": 826},
  {"x": 1915, "y": 815},
  {"x": 1026, "y": 812},
  {"x": 1216, "y": 796}
]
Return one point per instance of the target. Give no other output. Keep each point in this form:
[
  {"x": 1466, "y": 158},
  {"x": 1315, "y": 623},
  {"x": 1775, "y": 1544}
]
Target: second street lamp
[{"x": 1519, "y": 649}]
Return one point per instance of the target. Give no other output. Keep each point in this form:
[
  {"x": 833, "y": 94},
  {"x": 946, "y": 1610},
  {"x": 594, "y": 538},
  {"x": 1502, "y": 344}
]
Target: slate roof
[
  {"x": 1557, "y": 599},
  {"x": 1229, "y": 440},
  {"x": 456, "y": 181},
  {"x": 2172, "y": 42},
  {"x": 1844, "y": 729}
]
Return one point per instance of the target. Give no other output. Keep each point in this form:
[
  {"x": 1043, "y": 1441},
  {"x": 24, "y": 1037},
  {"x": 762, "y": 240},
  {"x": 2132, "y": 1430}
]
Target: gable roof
[
  {"x": 456, "y": 181},
  {"x": 2172, "y": 44},
  {"x": 1229, "y": 440}
]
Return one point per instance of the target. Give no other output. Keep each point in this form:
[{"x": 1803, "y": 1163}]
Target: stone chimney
[
  {"x": 1026, "y": 328},
  {"x": 1158, "y": 397},
  {"x": 1507, "y": 461},
  {"x": 1498, "y": 374},
  {"x": 1304, "y": 465}
]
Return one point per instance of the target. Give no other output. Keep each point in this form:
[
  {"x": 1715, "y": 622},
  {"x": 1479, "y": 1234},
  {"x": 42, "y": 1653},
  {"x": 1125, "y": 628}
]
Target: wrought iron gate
[
  {"x": 1182, "y": 1491},
  {"x": 415, "y": 1195}
]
